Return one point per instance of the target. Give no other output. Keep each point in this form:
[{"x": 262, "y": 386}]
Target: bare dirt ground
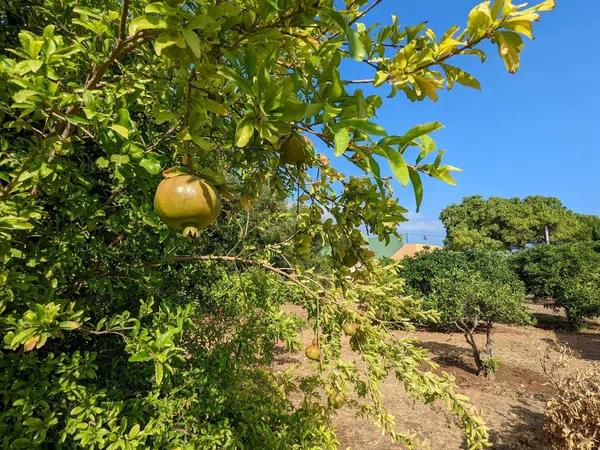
[{"x": 512, "y": 403}]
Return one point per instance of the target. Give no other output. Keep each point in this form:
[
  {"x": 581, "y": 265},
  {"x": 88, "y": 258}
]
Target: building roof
[{"x": 412, "y": 249}]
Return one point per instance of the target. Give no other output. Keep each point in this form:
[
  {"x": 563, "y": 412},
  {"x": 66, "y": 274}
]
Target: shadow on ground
[
  {"x": 448, "y": 355},
  {"x": 524, "y": 429},
  {"x": 584, "y": 344}
]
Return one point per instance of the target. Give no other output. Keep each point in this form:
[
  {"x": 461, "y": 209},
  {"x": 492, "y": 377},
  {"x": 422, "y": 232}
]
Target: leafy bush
[
  {"x": 420, "y": 271},
  {"x": 469, "y": 290},
  {"x": 566, "y": 273}
]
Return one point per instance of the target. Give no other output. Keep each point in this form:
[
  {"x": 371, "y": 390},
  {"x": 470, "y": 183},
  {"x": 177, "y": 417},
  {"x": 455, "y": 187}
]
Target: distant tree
[
  {"x": 469, "y": 290},
  {"x": 510, "y": 223},
  {"x": 567, "y": 273}
]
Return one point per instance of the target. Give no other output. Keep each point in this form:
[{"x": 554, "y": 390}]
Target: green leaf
[
  {"x": 166, "y": 39},
  {"x": 141, "y": 356},
  {"x": 165, "y": 116},
  {"x": 193, "y": 41},
  {"x": 102, "y": 162},
  {"x": 158, "y": 372},
  {"x": 362, "y": 125},
  {"x": 341, "y": 140},
  {"x": 28, "y": 65},
  {"x": 412, "y": 134},
  {"x": 244, "y": 131},
  {"x": 22, "y": 336},
  {"x": 151, "y": 165},
  {"x": 415, "y": 179},
  {"x": 160, "y": 8},
  {"x": 356, "y": 48},
  {"x": 120, "y": 130},
  {"x": 239, "y": 80},
  {"x": 510, "y": 45},
  {"x": 398, "y": 165},
  {"x": 147, "y": 23},
  {"x": 86, "y": 12}
]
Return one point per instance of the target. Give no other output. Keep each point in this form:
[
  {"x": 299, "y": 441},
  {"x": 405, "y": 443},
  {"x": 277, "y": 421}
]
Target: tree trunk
[
  {"x": 476, "y": 355},
  {"x": 489, "y": 344}
]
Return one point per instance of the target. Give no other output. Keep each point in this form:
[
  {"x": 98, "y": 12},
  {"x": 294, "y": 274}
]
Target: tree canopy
[
  {"x": 120, "y": 333},
  {"x": 567, "y": 273},
  {"x": 469, "y": 290},
  {"x": 512, "y": 223}
]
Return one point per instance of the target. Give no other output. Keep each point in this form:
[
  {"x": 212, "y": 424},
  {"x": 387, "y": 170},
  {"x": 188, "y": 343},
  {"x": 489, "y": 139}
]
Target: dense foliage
[
  {"x": 567, "y": 273},
  {"x": 120, "y": 333},
  {"x": 511, "y": 223},
  {"x": 469, "y": 290}
]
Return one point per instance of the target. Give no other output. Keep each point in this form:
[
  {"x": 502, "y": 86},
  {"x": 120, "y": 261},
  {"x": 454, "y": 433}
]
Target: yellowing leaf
[
  {"x": 341, "y": 140},
  {"x": 510, "y": 45},
  {"x": 244, "y": 132},
  {"x": 70, "y": 325},
  {"x": 520, "y": 26},
  {"x": 245, "y": 202},
  {"x": 120, "y": 130},
  {"x": 30, "y": 343},
  {"x": 146, "y": 23},
  {"x": 479, "y": 21},
  {"x": 380, "y": 78}
]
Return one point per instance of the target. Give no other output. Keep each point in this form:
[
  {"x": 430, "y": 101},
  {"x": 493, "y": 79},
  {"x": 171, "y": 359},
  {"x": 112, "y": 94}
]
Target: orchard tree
[
  {"x": 121, "y": 332},
  {"x": 469, "y": 290},
  {"x": 511, "y": 223},
  {"x": 568, "y": 274}
]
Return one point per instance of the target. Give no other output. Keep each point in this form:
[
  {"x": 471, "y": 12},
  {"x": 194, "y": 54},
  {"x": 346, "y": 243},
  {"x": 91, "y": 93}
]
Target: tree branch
[{"x": 123, "y": 24}]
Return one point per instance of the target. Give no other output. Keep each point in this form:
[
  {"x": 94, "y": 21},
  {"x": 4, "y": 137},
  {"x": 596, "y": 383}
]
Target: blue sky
[{"x": 535, "y": 132}]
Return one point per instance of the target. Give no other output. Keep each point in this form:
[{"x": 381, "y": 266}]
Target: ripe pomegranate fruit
[
  {"x": 350, "y": 328},
  {"x": 295, "y": 149},
  {"x": 312, "y": 352},
  {"x": 187, "y": 203}
]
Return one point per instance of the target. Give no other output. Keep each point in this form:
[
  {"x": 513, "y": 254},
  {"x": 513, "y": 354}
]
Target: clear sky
[{"x": 536, "y": 132}]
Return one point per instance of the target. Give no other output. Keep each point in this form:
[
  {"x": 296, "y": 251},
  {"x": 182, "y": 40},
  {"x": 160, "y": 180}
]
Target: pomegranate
[
  {"x": 336, "y": 400},
  {"x": 295, "y": 149},
  {"x": 187, "y": 203},
  {"x": 350, "y": 328},
  {"x": 312, "y": 352}
]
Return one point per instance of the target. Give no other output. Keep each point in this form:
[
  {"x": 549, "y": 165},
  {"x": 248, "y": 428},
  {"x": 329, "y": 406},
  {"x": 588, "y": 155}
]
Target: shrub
[
  {"x": 469, "y": 290},
  {"x": 573, "y": 414},
  {"x": 567, "y": 273}
]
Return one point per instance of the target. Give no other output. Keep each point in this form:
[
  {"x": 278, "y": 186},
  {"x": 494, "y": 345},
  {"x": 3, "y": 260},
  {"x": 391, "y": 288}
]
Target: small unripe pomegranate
[
  {"x": 187, "y": 203},
  {"x": 350, "y": 259},
  {"x": 350, "y": 328},
  {"x": 312, "y": 352},
  {"x": 336, "y": 400}
]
